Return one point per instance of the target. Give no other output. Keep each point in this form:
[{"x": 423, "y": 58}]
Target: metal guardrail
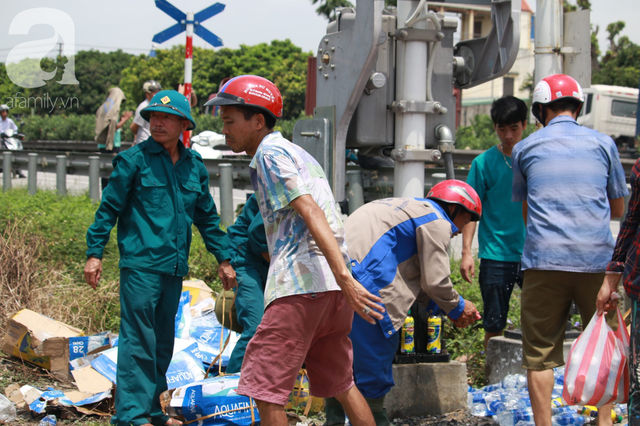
[
  {"x": 66, "y": 146},
  {"x": 80, "y": 158},
  {"x": 77, "y": 163},
  {"x": 461, "y": 157},
  {"x": 225, "y": 173}
]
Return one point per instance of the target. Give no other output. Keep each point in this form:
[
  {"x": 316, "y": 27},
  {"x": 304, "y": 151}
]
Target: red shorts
[{"x": 310, "y": 328}]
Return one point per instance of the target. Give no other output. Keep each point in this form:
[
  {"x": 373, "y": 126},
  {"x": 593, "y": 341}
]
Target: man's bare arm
[
  {"x": 355, "y": 293},
  {"x": 467, "y": 264},
  {"x": 617, "y": 207}
]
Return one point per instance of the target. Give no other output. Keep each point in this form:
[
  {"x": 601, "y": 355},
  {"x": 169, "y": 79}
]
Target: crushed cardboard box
[
  {"x": 198, "y": 290},
  {"x": 90, "y": 382},
  {"x": 13, "y": 393},
  {"x": 68, "y": 404},
  {"x": 40, "y": 340}
]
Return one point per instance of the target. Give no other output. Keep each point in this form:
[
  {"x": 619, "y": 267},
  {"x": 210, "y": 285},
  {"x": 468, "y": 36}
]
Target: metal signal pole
[{"x": 188, "y": 71}]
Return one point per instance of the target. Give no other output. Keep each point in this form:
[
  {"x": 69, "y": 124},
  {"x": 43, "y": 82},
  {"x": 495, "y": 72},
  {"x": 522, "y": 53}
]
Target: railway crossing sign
[
  {"x": 190, "y": 23},
  {"x": 183, "y": 22}
]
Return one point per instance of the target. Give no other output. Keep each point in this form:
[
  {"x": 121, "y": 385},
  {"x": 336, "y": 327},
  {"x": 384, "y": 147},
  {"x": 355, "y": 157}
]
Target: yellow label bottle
[{"x": 407, "y": 344}]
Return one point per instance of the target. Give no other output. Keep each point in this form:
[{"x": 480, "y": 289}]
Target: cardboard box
[
  {"x": 40, "y": 340},
  {"x": 198, "y": 291}
]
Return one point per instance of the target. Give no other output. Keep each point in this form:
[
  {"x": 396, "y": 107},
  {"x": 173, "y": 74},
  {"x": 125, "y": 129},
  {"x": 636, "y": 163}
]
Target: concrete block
[
  {"x": 427, "y": 389},
  {"x": 504, "y": 356}
]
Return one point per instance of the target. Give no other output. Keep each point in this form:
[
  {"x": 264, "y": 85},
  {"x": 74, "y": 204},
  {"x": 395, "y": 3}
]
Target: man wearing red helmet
[
  {"x": 309, "y": 286},
  {"x": 399, "y": 251},
  {"x": 571, "y": 183}
]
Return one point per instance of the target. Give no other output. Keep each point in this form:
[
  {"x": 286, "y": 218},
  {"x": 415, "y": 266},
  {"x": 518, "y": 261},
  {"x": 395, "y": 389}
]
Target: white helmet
[
  {"x": 151, "y": 86},
  {"x": 4, "y": 107},
  {"x": 552, "y": 89}
]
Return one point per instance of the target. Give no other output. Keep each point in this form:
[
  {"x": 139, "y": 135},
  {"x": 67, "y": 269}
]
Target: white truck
[{"x": 612, "y": 110}]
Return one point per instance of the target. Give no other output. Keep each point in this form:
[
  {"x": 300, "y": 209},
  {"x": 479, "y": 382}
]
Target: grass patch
[
  {"x": 469, "y": 342},
  {"x": 42, "y": 257},
  {"x": 43, "y": 253}
]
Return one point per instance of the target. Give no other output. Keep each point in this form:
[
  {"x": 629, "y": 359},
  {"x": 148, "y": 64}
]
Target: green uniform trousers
[
  {"x": 249, "y": 310},
  {"x": 148, "y": 306}
]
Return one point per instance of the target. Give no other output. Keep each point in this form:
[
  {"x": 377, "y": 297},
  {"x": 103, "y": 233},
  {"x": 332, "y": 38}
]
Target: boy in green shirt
[{"x": 501, "y": 231}]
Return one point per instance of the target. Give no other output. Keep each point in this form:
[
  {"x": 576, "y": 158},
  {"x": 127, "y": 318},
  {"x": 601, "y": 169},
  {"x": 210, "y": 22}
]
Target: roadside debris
[
  {"x": 40, "y": 340},
  {"x": 509, "y": 404},
  {"x": 7, "y": 410},
  {"x": 90, "y": 362}
]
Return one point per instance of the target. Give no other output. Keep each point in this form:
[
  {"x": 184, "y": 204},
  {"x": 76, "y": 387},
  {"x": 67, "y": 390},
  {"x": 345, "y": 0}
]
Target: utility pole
[
  {"x": 638, "y": 116},
  {"x": 563, "y": 42},
  {"x": 548, "y": 39},
  {"x": 188, "y": 70},
  {"x": 411, "y": 84}
]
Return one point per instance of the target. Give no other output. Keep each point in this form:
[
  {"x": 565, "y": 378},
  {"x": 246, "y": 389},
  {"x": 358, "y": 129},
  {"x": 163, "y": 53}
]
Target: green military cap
[{"x": 169, "y": 102}]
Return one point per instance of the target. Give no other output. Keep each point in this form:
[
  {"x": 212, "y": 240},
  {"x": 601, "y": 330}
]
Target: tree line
[
  {"x": 620, "y": 63},
  {"x": 279, "y": 61}
]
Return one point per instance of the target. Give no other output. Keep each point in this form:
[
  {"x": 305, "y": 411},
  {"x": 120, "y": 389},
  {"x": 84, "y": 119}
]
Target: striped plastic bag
[{"x": 597, "y": 371}]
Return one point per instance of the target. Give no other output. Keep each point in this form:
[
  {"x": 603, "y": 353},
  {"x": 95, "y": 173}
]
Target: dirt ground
[
  {"x": 13, "y": 371},
  {"x": 457, "y": 418}
]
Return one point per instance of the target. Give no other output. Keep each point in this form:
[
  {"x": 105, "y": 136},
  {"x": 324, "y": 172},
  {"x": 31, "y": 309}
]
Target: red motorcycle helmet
[
  {"x": 250, "y": 90},
  {"x": 552, "y": 89},
  {"x": 457, "y": 192}
]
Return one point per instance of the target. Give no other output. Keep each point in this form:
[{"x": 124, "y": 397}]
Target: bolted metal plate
[
  {"x": 577, "y": 47},
  {"x": 315, "y": 136}
]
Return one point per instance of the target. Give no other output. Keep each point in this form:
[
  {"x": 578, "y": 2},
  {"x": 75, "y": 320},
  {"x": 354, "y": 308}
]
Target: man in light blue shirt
[{"x": 571, "y": 184}]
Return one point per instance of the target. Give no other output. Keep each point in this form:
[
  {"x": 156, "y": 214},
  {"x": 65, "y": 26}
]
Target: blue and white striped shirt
[{"x": 567, "y": 173}]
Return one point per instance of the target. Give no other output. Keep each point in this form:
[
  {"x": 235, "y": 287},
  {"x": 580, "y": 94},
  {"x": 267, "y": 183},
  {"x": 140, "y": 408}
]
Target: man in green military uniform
[
  {"x": 158, "y": 189},
  {"x": 250, "y": 259}
]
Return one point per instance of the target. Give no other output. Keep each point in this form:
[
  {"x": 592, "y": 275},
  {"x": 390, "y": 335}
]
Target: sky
[{"x": 131, "y": 24}]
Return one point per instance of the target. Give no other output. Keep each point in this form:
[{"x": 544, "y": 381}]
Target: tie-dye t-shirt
[{"x": 280, "y": 173}]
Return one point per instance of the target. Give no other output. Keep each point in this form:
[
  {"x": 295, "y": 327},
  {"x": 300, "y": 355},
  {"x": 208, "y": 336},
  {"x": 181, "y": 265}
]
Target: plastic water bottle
[
  {"x": 510, "y": 381},
  {"x": 479, "y": 409},
  {"x": 490, "y": 388},
  {"x": 558, "y": 375},
  {"x": 621, "y": 409},
  {"x": 564, "y": 409},
  {"x": 512, "y": 417},
  {"x": 515, "y": 401},
  {"x": 569, "y": 419},
  {"x": 495, "y": 402},
  {"x": 475, "y": 397},
  {"x": 525, "y": 423},
  {"x": 7, "y": 410},
  {"x": 49, "y": 420},
  {"x": 557, "y": 391}
]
